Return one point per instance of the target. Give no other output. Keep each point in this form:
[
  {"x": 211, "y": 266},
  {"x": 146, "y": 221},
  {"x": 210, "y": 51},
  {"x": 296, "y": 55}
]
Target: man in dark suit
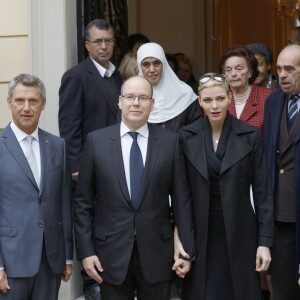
[
  {"x": 88, "y": 100},
  {"x": 88, "y": 95},
  {"x": 282, "y": 139},
  {"x": 36, "y": 245},
  {"x": 123, "y": 224}
]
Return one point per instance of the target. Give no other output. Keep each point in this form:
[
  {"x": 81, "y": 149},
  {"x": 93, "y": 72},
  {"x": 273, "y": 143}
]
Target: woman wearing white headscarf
[{"x": 176, "y": 104}]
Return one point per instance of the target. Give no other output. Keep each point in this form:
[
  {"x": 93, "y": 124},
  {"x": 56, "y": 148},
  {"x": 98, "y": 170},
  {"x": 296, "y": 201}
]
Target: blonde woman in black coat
[{"x": 225, "y": 159}]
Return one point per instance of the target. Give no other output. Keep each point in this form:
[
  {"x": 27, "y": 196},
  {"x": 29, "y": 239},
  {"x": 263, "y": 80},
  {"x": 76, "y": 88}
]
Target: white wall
[
  {"x": 13, "y": 48},
  {"x": 39, "y": 37},
  {"x": 53, "y": 49}
]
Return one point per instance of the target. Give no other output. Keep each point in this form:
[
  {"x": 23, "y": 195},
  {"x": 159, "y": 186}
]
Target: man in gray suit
[{"x": 35, "y": 200}]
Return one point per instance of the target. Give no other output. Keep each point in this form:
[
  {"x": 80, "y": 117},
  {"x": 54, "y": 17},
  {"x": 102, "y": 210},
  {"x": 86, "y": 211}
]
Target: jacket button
[
  {"x": 281, "y": 171},
  {"x": 40, "y": 225}
]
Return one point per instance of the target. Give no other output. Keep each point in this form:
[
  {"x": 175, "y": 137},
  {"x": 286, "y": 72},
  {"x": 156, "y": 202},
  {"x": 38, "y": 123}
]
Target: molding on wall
[
  {"x": 52, "y": 49},
  {"x": 36, "y": 31},
  {"x": 13, "y": 36}
]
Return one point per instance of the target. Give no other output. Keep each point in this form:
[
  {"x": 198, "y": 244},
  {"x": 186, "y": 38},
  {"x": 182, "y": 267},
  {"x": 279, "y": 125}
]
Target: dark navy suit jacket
[
  {"x": 273, "y": 110},
  {"x": 85, "y": 104}
]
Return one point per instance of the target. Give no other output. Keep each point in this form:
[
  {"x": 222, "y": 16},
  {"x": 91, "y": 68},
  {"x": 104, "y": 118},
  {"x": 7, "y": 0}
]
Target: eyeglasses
[
  {"x": 131, "y": 98},
  {"x": 147, "y": 64},
  {"x": 212, "y": 76},
  {"x": 99, "y": 42}
]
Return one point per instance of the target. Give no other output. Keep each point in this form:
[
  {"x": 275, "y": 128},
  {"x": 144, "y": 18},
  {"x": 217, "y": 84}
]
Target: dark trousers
[
  {"x": 43, "y": 286},
  {"x": 135, "y": 281},
  {"x": 283, "y": 267}
]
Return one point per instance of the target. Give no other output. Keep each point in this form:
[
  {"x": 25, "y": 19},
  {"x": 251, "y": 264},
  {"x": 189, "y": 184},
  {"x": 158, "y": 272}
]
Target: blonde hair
[
  {"x": 128, "y": 66},
  {"x": 213, "y": 82}
]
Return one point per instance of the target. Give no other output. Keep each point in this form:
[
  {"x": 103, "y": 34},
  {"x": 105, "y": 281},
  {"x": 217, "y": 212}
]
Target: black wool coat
[{"x": 243, "y": 165}]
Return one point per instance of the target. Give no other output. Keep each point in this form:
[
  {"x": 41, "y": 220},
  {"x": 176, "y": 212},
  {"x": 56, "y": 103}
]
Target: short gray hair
[{"x": 27, "y": 80}]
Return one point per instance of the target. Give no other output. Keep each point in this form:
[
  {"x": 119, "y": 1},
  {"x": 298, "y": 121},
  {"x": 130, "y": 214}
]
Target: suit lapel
[
  {"x": 152, "y": 152},
  {"x": 276, "y": 109},
  {"x": 101, "y": 86},
  {"x": 45, "y": 150},
  {"x": 117, "y": 160},
  {"x": 297, "y": 138},
  {"x": 12, "y": 145}
]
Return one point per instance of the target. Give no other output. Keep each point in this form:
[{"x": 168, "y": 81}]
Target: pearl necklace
[{"x": 239, "y": 100}]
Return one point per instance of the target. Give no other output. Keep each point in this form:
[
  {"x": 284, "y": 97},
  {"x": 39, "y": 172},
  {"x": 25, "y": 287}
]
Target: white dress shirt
[
  {"x": 21, "y": 137},
  {"x": 126, "y": 142},
  {"x": 102, "y": 71}
]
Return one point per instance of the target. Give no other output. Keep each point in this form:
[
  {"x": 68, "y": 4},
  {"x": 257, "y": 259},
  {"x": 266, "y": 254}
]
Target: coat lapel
[
  {"x": 12, "y": 145},
  {"x": 236, "y": 150},
  {"x": 250, "y": 108},
  {"x": 248, "y": 111},
  {"x": 194, "y": 150}
]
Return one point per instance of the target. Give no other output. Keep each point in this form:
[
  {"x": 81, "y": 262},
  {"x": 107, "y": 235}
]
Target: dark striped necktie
[{"x": 292, "y": 108}]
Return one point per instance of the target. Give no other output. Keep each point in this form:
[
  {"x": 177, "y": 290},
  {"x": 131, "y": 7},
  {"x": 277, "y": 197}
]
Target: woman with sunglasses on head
[
  {"x": 175, "y": 102},
  {"x": 224, "y": 157},
  {"x": 248, "y": 99}
]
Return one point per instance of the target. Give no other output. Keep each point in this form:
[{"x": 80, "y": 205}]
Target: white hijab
[{"x": 172, "y": 96}]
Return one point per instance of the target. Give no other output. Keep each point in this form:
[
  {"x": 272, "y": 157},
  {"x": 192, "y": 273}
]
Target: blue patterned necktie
[
  {"x": 136, "y": 170},
  {"x": 292, "y": 108}
]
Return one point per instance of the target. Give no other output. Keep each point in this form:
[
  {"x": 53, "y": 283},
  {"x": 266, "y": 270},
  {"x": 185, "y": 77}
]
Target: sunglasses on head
[{"x": 212, "y": 76}]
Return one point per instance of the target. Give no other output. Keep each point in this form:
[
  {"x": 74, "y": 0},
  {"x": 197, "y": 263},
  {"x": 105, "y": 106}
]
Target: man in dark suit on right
[
  {"x": 123, "y": 220},
  {"x": 88, "y": 100},
  {"x": 282, "y": 139}
]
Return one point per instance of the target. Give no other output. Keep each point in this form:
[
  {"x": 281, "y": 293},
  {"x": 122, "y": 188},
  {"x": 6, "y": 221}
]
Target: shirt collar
[
  {"x": 298, "y": 95},
  {"x": 143, "y": 131},
  {"x": 21, "y": 135},
  {"x": 104, "y": 72}
]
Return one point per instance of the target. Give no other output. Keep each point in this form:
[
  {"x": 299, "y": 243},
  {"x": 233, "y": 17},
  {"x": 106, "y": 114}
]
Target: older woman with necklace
[{"x": 241, "y": 69}]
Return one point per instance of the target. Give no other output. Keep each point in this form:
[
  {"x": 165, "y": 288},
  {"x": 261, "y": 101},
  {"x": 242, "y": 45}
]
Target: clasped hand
[{"x": 182, "y": 265}]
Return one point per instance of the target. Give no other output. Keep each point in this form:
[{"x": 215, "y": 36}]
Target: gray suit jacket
[{"x": 29, "y": 216}]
